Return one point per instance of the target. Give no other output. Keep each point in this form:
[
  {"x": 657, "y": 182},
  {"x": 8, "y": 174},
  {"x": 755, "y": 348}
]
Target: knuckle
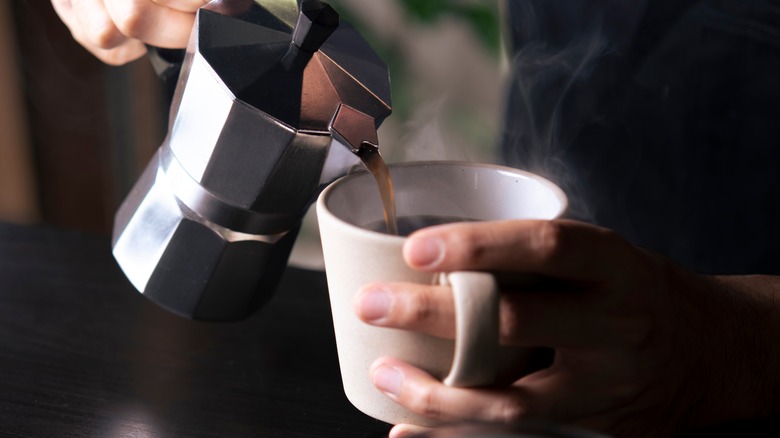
[
  {"x": 412, "y": 309},
  {"x": 105, "y": 35},
  {"x": 547, "y": 240},
  {"x": 470, "y": 249},
  {"x": 636, "y": 333},
  {"x": 427, "y": 402},
  {"x": 432, "y": 403},
  {"x": 423, "y": 309},
  {"x": 509, "y": 411},
  {"x": 509, "y": 322},
  {"x": 133, "y": 20}
]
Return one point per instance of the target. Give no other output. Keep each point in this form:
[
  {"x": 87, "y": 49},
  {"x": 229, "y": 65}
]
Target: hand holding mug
[{"x": 642, "y": 347}]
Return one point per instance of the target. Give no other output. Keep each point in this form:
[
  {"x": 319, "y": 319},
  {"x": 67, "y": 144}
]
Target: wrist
[{"x": 740, "y": 350}]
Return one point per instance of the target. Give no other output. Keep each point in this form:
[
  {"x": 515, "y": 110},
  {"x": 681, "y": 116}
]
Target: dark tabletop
[{"x": 82, "y": 354}]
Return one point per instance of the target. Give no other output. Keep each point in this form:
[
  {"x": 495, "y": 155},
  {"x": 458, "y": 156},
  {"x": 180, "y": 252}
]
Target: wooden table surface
[{"x": 82, "y": 354}]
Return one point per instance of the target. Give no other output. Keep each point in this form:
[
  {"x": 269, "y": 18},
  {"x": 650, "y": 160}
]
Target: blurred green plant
[{"x": 481, "y": 15}]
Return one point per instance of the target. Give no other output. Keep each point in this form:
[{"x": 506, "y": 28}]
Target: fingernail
[
  {"x": 388, "y": 380},
  {"x": 374, "y": 304},
  {"x": 424, "y": 252}
]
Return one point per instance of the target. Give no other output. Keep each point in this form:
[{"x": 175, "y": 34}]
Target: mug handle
[{"x": 476, "y": 297}]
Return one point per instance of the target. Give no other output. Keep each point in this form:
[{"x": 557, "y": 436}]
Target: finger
[
  {"x": 128, "y": 51},
  {"x": 557, "y": 248},
  {"x": 89, "y": 23},
  {"x": 91, "y": 27},
  {"x": 189, "y": 6},
  {"x": 553, "y": 395},
  {"x": 427, "y": 309},
  {"x": 406, "y": 431},
  {"x": 151, "y": 23},
  {"x": 526, "y": 319},
  {"x": 419, "y": 392},
  {"x": 581, "y": 389},
  {"x": 563, "y": 319}
]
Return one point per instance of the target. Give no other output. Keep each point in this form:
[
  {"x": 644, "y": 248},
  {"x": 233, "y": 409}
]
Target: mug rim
[{"x": 322, "y": 199}]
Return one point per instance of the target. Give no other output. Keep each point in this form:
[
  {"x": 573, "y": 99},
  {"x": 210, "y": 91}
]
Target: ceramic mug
[{"x": 355, "y": 255}]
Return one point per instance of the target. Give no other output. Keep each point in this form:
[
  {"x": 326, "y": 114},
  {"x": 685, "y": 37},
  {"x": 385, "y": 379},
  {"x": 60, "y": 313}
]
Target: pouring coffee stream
[{"x": 371, "y": 157}]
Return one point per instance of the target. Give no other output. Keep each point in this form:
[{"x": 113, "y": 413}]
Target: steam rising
[
  {"x": 658, "y": 119},
  {"x": 550, "y": 102},
  {"x": 542, "y": 81}
]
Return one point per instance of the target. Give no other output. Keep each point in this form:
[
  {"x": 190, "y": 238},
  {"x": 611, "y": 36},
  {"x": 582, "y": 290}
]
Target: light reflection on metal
[{"x": 270, "y": 101}]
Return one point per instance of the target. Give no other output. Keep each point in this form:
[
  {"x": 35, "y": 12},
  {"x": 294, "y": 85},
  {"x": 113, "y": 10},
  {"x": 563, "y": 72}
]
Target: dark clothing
[{"x": 660, "y": 119}]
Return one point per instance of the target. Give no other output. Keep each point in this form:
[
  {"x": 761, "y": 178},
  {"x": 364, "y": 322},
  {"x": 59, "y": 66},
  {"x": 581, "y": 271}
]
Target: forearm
[
  {"x": 745, "y": 330},
  {"x": 760, "y": 302}
]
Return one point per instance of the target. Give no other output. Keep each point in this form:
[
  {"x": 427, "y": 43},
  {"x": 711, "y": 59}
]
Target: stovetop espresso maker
[{"x": 273, "y": 101}]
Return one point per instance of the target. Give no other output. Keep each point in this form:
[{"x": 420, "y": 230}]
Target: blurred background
[{"x": 75, "y": 133}]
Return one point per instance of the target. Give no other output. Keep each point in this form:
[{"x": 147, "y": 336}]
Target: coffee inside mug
[{"x": 409, "y": 224}]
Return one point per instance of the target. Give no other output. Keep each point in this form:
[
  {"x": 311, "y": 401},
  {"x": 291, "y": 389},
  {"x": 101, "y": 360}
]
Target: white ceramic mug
[{"x": 355, "y": 256}]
